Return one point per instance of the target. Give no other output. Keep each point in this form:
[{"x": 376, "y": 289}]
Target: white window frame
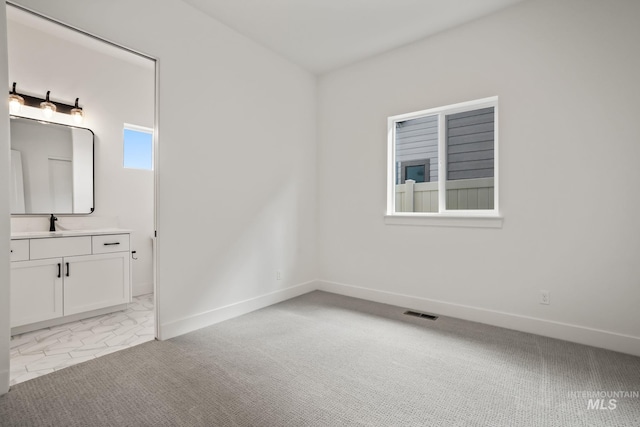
[
  {"x": 137, "y": 128},
  {"x": 444, "y": 217}
]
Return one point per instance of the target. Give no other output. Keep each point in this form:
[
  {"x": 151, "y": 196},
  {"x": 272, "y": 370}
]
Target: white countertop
[{"x": 66, "y": 233}]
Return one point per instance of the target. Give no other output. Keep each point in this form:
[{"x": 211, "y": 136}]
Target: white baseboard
[
  {"x": 574, "y": 333},
  {"x": 563, "y": 331},
  {"x": 197, "y": 321},
  {"x": 66, "y": 319},
  {"x": 142, "y": 289}
]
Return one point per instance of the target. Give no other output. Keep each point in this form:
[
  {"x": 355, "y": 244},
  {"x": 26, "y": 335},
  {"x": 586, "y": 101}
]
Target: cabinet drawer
[
  {"x": 19, "y": 250},
  {"x": 60, "y": 247},
  {"x": 110, "y": 243}
]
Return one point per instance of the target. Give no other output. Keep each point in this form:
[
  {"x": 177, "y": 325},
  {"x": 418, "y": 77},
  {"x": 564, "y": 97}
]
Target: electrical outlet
[
  {"x": 545, "y": 297},
  {"x": 278, "y": 275}
]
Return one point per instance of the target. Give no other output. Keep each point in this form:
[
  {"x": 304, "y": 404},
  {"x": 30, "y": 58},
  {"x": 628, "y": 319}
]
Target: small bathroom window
[{"x": 138, "y": 147}]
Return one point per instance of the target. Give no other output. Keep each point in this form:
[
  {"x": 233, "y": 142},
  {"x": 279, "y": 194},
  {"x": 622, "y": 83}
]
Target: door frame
[{"x": 156, "y": 151}]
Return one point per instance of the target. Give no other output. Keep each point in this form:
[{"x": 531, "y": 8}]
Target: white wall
[
  {"x": 227, "y": 108},
  {"x": 5, "y": 329},
  {"x": 113, "y": 90},
  {"x": 567, "y": 77}
]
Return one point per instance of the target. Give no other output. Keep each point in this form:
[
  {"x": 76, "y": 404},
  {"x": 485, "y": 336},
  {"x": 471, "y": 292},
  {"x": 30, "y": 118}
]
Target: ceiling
[
  {"x": 323, "y": 35},
  {"x": 39, "y": 24}
]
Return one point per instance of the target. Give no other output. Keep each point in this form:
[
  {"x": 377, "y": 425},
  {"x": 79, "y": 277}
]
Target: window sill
[{"x": 439, "y": 220}]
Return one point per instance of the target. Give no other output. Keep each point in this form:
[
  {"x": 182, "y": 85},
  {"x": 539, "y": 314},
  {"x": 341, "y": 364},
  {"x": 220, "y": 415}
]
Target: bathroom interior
[{"x": 82, "y": 196}]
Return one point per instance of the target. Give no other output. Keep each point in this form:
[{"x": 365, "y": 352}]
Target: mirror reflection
[{"x": 51, "y": 168}]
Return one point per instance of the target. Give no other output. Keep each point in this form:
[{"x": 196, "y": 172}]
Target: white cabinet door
[
  {"x": 36, "y": 291},
  {"x": 95, "y": 281}
]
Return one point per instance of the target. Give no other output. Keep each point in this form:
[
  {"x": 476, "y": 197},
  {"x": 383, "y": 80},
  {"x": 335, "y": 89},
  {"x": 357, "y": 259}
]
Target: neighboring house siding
[
  {"x": 417, "y": 139},
  {"x": 470, "y": 149}
]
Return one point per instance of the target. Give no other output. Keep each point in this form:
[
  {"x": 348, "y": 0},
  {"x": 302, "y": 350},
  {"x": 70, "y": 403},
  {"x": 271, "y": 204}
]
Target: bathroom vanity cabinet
[{"x": 66, "y": 276}]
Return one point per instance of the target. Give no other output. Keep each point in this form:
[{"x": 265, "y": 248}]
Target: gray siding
[
  {"x": 417, "y": 139},
  {"x": 470, "y": 148}
]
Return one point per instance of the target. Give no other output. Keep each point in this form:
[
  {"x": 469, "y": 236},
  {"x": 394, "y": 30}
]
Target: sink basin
[{"x": 61, "y": 233}]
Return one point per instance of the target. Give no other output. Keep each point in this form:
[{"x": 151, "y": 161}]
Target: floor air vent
[{"x": 421, "y": 315}]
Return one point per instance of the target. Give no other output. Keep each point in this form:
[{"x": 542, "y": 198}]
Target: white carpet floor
[{"x": 327, "y": 360}]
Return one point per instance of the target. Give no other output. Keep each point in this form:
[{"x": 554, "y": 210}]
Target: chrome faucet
[{"x": 52, "y": 223}]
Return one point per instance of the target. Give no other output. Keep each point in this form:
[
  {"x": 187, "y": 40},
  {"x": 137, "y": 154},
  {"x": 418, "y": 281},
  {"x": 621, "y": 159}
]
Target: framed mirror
[{"x": 51, "y": 168}]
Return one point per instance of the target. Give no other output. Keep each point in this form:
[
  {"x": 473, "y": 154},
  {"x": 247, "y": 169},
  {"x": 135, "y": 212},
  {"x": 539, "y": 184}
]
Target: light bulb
[
  {"x": 78, "y": 115},
  {"x": 48, "y": 109},
  {"x": 15, "y": 103}
]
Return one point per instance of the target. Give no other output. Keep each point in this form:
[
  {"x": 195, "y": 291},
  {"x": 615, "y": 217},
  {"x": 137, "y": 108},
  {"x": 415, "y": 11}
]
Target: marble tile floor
[{"x": 47, "y": 350}]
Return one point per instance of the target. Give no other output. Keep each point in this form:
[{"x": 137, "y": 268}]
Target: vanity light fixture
[
  {"x": 17, "y": 100},
  {"x": 48, "y": 107}
]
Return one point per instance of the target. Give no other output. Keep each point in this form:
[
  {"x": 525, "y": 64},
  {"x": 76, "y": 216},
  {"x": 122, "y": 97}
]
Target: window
[
  {"x": 138, "y": 147},
  {"x": 417, "y": 170},
  {"x": 443, "y": 162}
]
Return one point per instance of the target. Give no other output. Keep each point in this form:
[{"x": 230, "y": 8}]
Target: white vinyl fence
[{"x": 461, "y": 194}]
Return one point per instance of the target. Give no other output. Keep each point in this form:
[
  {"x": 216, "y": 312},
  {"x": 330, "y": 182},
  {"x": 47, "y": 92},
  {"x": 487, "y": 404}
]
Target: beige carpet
[{"x": 328, "y": 360}]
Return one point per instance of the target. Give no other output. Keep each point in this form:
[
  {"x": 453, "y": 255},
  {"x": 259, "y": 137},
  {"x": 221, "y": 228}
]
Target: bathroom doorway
[{"x": 117, "y": 90}]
